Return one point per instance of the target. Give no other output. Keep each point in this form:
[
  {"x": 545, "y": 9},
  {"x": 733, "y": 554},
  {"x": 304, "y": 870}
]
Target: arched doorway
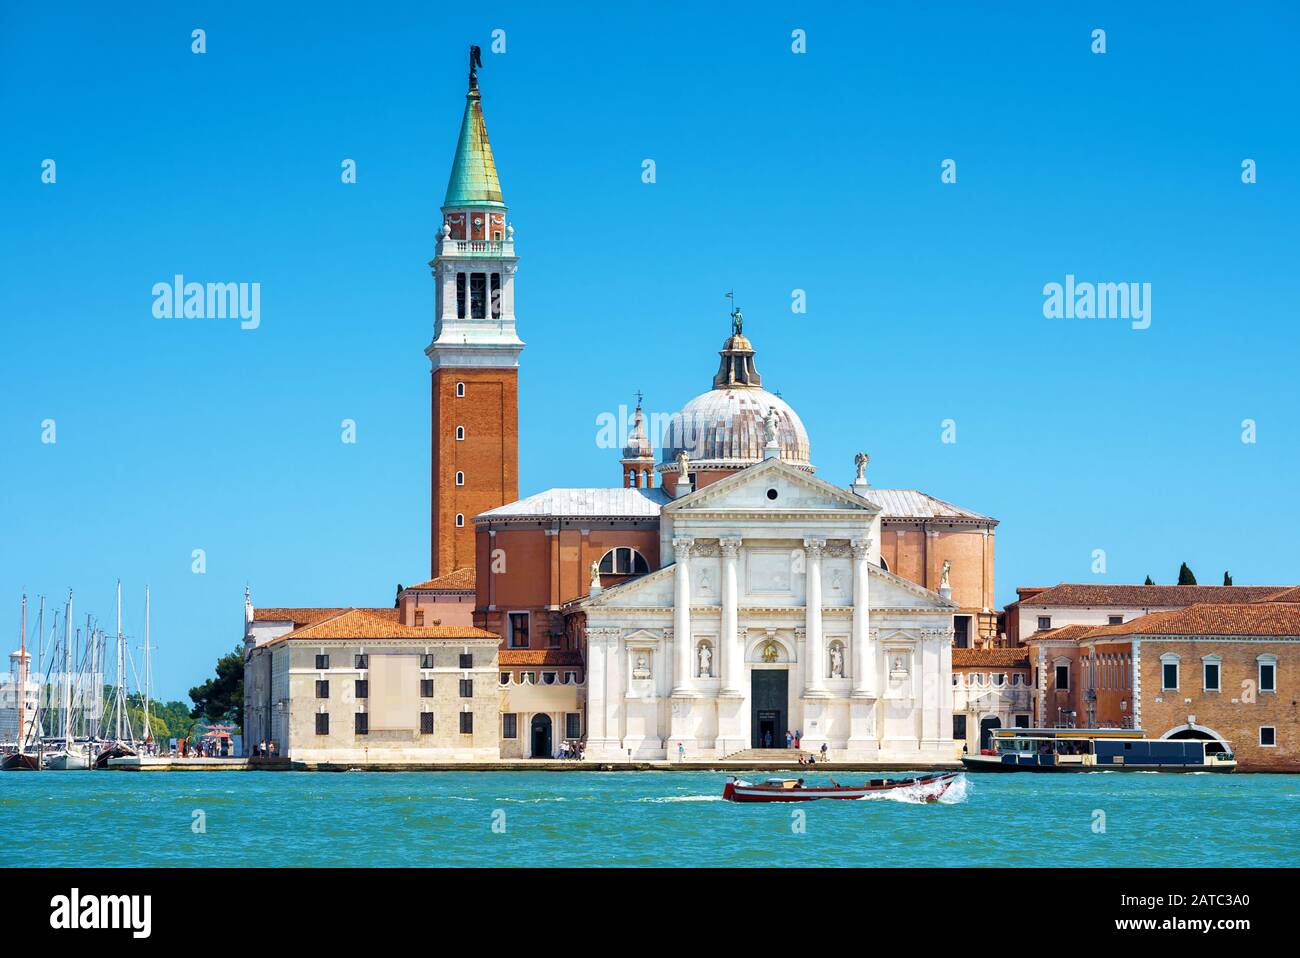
[
  {"x": 986, "y": 731},
  {"x": 1213, "y": 742},
  {"x": 541, "y": 731}
]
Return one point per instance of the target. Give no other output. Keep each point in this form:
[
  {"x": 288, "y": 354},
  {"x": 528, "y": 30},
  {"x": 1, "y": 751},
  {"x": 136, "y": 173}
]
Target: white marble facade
[{"x": 770, "y": 569}]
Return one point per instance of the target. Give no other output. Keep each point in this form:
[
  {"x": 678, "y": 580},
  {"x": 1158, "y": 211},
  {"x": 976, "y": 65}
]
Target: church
[{"x": 718, "y": 596}]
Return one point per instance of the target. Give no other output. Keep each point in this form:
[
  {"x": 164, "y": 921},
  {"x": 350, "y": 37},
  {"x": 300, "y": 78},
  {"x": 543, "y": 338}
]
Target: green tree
[
  {"x": 1185, "y": 576},
  {"x": 397, "y": 599},
  {"x": 1148, "y": 581},
  {"x": 1227, "y": 578},
  {"x": 221, "y": 699}
]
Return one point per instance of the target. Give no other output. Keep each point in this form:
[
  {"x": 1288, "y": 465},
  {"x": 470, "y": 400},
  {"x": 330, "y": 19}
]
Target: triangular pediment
[
  {"x": 889, "y": 591},
  {"x": 653, "y": 590},
  {"x": 752, "y": 489}
]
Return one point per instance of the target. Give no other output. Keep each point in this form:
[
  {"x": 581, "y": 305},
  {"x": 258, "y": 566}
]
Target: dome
[{"x": 724, "y": 428}]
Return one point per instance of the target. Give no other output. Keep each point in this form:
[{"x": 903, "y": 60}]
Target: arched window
[
  {"x": 623, "y": 561},
  {"x": 460, "y": 433},
  {"x": 883, "y": 564},
  {"x": 460, "y": 478},
  {"x": 460, "y": 519},
  {"x": 460, "y": 390}
]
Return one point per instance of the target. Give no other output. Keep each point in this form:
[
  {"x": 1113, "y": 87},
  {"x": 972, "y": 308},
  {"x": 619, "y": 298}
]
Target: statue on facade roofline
[
  {"x": 943, "y": 575},
  {"x": 683, "y": 464},
  {"x": 769, "y": 425},
  {"x": 595, "y": 572},
  {"x": 861, "y": 460}
]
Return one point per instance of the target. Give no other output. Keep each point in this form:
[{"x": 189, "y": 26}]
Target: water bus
[{"x": 1095, "y": 750}]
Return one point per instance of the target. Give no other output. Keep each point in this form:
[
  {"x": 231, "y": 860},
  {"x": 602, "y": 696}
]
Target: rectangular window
[
  {"x": 1062, "y": 678},
  {"x": 322, "y": 661},
  {"x": 478, "y": 296},
  {"x": 460, "y": 295},
  {"x": 426, "y": 723},
  {"x": 322, "y": 723},
  {"x": 496, "y": 295},
  {"x": 1169, "y": 677},
  {"x": 1022, "y": 721},
  {"x": 961, "y": 623},
  {"x": 362, "y": 726},
  {"x": 518, "y": 630},
  {"x": 509, "y": 725},
  {"x": 362, "y": 661},
  {"x": 363, "y": 688},
  {"x": 467, "y": 688},
  {"x": 1044, "y": 622},
  {"x": 426, "y": 688},
  {"x": 572, "y": 725},
  {"x": 959, "y": 728},
  {"x": 1267, "y": 736},
  {"x": 426, "y": 660},
  {"x": 1115, "y": 620},
  {"x": 466, "y": 723},
  {"x": 419, "y": 617},
  {"x": 1211, "y": 676},
  {"x": 322, "y": 688},
  {"x": 467, "y": 660},
  {"x": 1268, "y": 677}
]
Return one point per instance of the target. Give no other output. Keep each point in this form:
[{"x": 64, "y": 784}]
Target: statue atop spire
[{"x": 475, "y": 64}]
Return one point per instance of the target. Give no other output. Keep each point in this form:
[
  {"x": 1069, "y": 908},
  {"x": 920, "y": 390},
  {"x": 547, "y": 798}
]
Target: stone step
[{"x": 783, "y": 755}]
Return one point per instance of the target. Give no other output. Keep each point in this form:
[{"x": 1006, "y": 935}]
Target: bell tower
[{"x": 475, "y": 349}]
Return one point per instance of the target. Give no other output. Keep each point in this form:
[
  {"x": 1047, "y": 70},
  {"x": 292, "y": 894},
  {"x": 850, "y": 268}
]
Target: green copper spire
[{"x": 474, "y": 179}]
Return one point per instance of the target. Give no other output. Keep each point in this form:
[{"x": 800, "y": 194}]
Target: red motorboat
[{"x": 929, "y": 788}]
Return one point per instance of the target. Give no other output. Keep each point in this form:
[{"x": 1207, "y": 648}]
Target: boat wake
[
  {"x": 684, "y": 798},
  {"x": 931, "y": 793}
]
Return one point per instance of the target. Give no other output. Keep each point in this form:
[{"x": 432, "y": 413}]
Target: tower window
[
  {"x": 460, "y": 390},
  {"x": 496, "y": 295},
  {"x": 478, "y": 295},
  {"x": 460, "y": 519},
  {"x": 460, "y": 478},
  {"x": 460, "y": 433},
  {"x": 460, "y": 295},
  {"x": 623, "y": 561}
]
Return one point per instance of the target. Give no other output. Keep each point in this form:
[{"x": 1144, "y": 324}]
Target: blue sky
[{"x": 775, "y": 172}]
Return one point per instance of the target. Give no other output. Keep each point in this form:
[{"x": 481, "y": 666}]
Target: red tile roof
[
  {"x": 1067, "y": 633},
  {"x": 539, "y": 657},
  {"x": 460, "y": 580},
  {"x": 301, "y": 617},
  {"x": 364, "y": 624},
  {"x": 990, "y": 658},
  {"x": 1286, "y": 595},
  {"x": 1146, "y": 596},
  {"x": 1248, "y": 619}
]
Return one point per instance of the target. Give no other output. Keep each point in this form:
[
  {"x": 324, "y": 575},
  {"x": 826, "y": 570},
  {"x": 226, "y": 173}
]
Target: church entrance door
[
  {"x": 542, "y": 736},
  {"x": 986, "y": 731},
  {"x": 769, "y": 696}
]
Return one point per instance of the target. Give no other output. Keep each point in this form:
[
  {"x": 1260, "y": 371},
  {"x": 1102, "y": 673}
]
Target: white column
[
  {"x": 814, "y": 654},
  {"x": 945, "y": 686},
  {"x": 729, "y": 644},
  {"x": 682, "y": 615},
  {"x": 864, "y": 656},
  {"x": 596, "y": 671}
]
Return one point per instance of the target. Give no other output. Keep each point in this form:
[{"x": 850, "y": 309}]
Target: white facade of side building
[{"x": 775, "y": 571}]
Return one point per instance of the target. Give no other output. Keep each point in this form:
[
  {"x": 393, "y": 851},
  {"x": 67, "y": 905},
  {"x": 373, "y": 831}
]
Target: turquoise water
[{"x": 634, "y": 819}]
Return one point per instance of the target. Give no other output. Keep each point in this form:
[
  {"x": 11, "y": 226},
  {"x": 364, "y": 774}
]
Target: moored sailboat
[{"x": 21, "y": 760}]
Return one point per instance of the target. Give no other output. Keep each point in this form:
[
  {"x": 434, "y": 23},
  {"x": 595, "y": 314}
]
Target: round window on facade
[{"x": 771, "y": 493}]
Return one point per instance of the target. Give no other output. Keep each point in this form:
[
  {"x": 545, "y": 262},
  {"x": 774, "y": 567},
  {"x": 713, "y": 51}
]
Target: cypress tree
[
  {"x": 1148, "y": 581},
  {"x": 1227, "y": 578},
  {"x": 1185, "y": 576}
]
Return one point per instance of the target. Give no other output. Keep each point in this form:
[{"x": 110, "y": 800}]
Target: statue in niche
[
  {"x": 837, "y": 661},
  {"x": 642, "y": 668},
  {"x": 771, "y": 653},
  {"x": 944, "y": 574},
  {"x": 898, "y": 668},
  {"x": 706, "y": 661}
]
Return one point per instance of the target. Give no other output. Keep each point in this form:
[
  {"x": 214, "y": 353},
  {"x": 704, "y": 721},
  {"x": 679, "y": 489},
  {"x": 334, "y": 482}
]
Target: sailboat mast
[
  {"x": 67, "y": 674},
  {"x": 120, "y": 678},
  {"x": 22, "y": 680},
  {"x": 148, "y": 677}
]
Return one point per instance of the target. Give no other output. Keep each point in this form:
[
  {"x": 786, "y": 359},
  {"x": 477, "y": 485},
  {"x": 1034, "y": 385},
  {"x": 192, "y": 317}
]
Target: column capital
[
  {"x": 682, "y": 547},
  {"x": 730, "y": 546},
  {"x": 814, "y": 547},
  {"x": 861, "y": 547}
]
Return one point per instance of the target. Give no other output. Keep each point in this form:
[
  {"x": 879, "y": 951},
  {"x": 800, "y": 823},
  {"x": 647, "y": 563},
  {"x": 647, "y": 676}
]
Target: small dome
[{"x": 724, "y": 428}]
